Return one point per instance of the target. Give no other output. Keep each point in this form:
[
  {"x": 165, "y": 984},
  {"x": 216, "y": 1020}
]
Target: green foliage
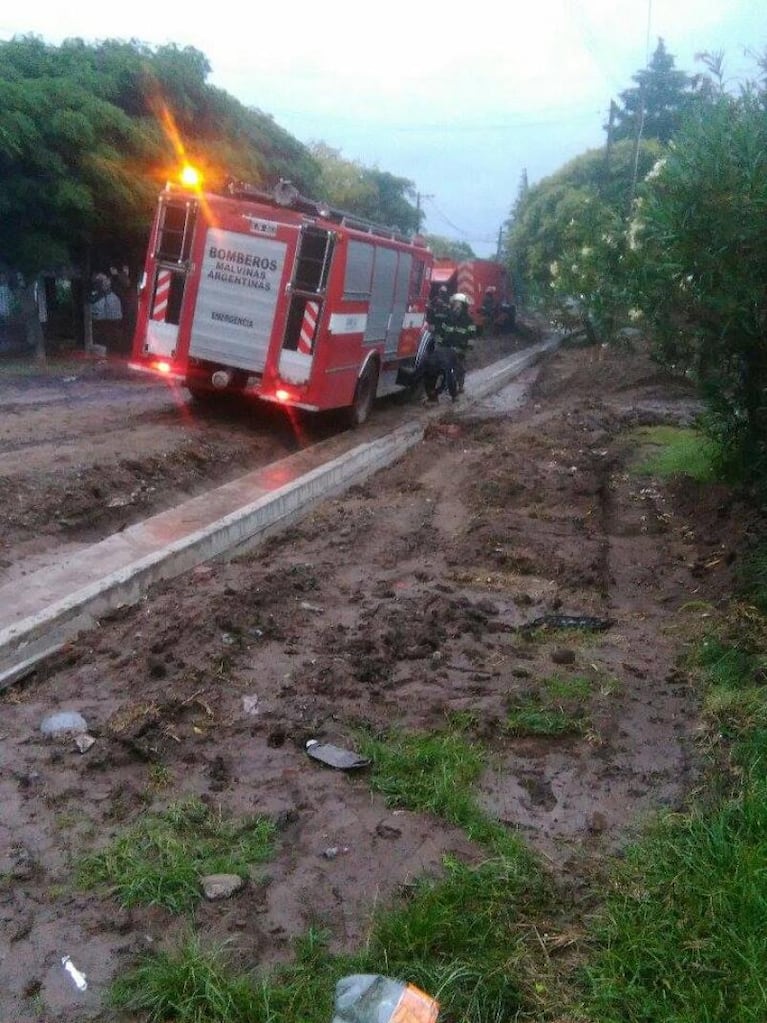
[
  {"x": 435, "y": 773},
  {"x": 668, "y": 451},
  {"x": 366, "y": 192},
  {"x": 160, "y": 860},
  {"x": 447, "y": 248},
  {"x": 656, "y": 105},
  {"x": 90, "y": 132},
  {"x": 567, "y": 240},
  {"x": 700, "y": 244}
]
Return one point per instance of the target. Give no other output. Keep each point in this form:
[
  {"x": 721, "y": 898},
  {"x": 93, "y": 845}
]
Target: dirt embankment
[{"x": 397, "y": 606}]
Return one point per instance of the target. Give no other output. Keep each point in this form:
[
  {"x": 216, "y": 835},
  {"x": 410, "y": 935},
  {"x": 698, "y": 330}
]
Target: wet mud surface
[{"x": 510, "y": 563}]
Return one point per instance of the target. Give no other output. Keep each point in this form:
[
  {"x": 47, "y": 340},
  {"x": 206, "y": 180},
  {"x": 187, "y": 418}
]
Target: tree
[
  {"x": 656, "y": 106},
  {"x": 366, "y": 192},
  {"x": 700, "y": 240},
  {"x": 448, "y": 248},
  {"x": 566, "y": 239},
  {"x": 90, "y": 133}
]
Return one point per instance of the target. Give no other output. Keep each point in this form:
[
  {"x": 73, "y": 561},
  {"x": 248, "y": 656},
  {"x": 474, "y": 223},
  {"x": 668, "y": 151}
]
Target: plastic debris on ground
[
  {"x": 63, "y": 722},
  {"x": 335, "y": 756},
  {"x": 555, "y": 621},
  {"x": 371, "y": 998},
  {"x": 79, "y": 978}
]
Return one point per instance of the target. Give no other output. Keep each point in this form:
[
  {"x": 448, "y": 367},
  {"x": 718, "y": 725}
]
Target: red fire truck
[
  {"x": 473, "y": 278},
  {"x": 276, "y": 296}
]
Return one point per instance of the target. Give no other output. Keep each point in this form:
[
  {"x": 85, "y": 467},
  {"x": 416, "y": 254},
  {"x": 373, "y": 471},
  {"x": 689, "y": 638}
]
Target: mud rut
[{"x": 396, "y": 606}]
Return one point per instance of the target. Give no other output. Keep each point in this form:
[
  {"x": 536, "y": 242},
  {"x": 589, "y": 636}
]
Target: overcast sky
[{"x": 460, "y": 103}]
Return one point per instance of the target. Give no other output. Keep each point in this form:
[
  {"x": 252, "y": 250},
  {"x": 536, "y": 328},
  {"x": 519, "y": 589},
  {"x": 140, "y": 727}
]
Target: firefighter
[
  {"x": 437, "y": 372},
  {"x": 438, "y": 311},
  {"x": 489, "y": 308},
  {"x": 459, "y": 333}
]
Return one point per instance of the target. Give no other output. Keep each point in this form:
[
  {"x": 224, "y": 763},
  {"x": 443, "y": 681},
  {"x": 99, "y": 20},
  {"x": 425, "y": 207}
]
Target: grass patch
[
  {"x": 160, "y": 859},
  {"x": 530, "y": 718},
  {"x": 464, "y": 939},
  {"x": 435, "y": 773},
  {"x": 734, "y": 673},
  {"x": 667, "y": 451},
  {"x": 192, "y": 985},
  {"x": 682, "y": 937},
  {"x": 752, "y": 577},
  {"x": 556, "y": 708}
]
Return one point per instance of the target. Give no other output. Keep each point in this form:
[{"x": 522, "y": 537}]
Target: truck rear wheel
[{"x": 364, "y": 395}]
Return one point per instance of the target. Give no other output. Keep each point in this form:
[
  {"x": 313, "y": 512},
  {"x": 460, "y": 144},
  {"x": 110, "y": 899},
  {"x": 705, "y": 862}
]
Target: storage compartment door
[
  {"x": 237, "y": 299},
  {"x": 399, "y": 306},
  {"x": 382, "y": 294}
]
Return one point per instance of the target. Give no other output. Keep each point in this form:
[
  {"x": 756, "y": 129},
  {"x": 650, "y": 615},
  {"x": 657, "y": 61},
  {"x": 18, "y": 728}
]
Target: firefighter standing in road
[
  {"x": 438, "y": 372},
  {"x": 459, "y": 332},
  {"x": 489, "y": 309},
  {"x": 438, "y": 311}
]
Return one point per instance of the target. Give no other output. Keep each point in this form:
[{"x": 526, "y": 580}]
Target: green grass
[
  {"x": 464, "y": 939},
  {"x": 733, "y": 672},
  {"x": 530, "y": 719},
  {"x": 160, "y": 859},
  {"x": 668, "y": 451},
  {"x": 557, "y": 708},
  {"x": 435, "y": 773},
  {"x": 752, "y": 577},
  {"x": 682, "y": 938},
  {"x": 191, "y": 985}
]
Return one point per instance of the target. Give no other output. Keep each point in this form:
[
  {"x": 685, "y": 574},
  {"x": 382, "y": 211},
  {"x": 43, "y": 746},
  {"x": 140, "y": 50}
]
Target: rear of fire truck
[
  {"x": 209, "y": 308},
  {"x": 274, "y": 296}
]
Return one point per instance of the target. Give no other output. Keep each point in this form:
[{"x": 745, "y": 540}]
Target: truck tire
[
  {"x": 425, "y": 345},
  {"x": 364, "y": 395},
  {"x": 206, "y": 394}
]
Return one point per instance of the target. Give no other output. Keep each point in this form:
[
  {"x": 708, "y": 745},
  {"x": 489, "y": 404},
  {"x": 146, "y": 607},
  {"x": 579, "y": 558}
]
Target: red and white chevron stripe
[
  {"x": 161, "y": 293},
  {"x": 466, "y": 282},
  {"x": 308, "y": 328}
]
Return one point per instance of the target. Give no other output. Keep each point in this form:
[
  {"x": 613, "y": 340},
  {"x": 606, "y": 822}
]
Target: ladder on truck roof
[{"x": 287, "y": 196}]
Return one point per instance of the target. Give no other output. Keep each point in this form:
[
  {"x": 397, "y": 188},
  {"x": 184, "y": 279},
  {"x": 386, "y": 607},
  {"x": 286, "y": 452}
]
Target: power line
[{"x": 465, "y": 234}]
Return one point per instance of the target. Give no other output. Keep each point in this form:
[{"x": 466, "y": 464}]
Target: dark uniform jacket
[{"x": 459, "y": 331}]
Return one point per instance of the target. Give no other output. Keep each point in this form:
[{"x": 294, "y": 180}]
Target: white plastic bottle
[{"x": 371, "y": 998}]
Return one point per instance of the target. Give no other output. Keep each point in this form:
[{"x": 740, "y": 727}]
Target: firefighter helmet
[{"x": 459, "y": 297}]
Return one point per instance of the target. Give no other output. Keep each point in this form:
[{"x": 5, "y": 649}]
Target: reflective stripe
[
  {"x": 161, "y": 295},
  {"x": 308, "y": 328}
]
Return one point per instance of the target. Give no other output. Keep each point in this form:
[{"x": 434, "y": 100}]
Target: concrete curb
[{"x": 36, "y": 635}]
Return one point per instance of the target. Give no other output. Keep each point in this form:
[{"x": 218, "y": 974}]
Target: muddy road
[
  {"x": 91, "y": 447},
  {"x": 402, "y": 606}
]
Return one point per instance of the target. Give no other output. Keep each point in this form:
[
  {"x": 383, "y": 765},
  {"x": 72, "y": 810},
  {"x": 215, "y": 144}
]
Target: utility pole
[
  {"x": 637, "y": 140},
  {"x": 608, "y": 146},
  {"x": 418, "y": 197}
]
